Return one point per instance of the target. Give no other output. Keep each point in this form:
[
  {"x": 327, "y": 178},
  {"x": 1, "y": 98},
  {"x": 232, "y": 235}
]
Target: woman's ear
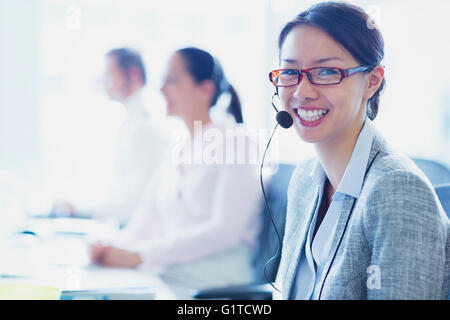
[
  {"x": 374, "y": 81},
  {"x": 209, "y": 88}
]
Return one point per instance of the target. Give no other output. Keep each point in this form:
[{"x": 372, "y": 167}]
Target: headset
[
  {"x": 285, "y": 120},
  {"x": 283, "y": 117}
]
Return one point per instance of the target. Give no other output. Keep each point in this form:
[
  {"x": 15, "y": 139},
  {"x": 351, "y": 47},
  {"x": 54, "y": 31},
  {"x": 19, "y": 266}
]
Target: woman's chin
[{"x": 308, "y": 136}]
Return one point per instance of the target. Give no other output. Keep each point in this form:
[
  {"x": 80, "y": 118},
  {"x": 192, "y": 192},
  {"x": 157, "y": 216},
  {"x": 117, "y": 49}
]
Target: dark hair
[
  {"x": 127, "y": 58},
  {"x": 350, "y": 26},
  {"x": 202, "y": 66}
]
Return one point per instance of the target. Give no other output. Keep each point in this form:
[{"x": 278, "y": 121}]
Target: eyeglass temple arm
[
  {"x": 351, "y": 71},
  {"x": 274, "y": 94}
]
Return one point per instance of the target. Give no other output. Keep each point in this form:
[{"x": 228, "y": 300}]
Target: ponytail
[
  {"x": 235, "y": 105},
  {"x": 203, "y": 66}
]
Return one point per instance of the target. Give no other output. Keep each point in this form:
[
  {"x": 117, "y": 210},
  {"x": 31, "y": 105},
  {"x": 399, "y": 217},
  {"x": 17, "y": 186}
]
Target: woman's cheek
[{"x": 283, "y": 97}]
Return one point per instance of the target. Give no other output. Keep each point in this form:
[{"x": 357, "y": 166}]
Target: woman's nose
[{"x": 305, "y": 89}]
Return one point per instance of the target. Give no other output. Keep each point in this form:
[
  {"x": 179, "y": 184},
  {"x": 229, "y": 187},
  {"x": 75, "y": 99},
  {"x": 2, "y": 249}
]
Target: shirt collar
[
  {"x": 318, "y": 174},
  {"x": 351, "y": 183}
]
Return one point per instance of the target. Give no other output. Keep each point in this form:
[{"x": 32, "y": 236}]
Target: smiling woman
[{"x": 359, "y": 205}]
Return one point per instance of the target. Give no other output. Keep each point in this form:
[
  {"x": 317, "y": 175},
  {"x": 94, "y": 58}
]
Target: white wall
[
  {"x": 20, "y": 153},
  {"x": 19, "y": 89}
]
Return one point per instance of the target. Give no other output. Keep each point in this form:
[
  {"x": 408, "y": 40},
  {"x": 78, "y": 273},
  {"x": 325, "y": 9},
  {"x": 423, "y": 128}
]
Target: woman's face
[
  {"x": 182, "y": 93},
  {"x": 340, "y": 107}
]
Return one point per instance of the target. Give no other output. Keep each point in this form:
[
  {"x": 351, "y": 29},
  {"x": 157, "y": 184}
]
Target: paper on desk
[
  {"x": 110, "y": 294},
  {"x": 52, "y": 226}
]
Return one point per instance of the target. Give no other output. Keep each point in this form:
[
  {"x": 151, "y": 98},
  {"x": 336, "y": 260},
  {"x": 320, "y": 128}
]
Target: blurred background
[{"x": 57, "y": 126}]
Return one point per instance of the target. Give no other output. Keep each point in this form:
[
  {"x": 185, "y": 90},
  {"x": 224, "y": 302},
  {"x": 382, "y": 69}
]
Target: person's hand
[
  {"x": 63, "y": 209},
  {"x": 97, "y": 250},
  {"x": 120, "y": 258}
]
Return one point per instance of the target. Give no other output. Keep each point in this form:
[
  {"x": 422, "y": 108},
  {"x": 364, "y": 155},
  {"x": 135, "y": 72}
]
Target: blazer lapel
[
  {"x": 377, "y": 145},
  {"x": 301, "y": 228},
  {"x": 343, "y": 217}
]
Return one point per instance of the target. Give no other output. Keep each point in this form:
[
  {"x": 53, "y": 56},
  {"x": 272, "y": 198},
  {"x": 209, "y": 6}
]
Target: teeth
[{"x": 308, "y": 115}]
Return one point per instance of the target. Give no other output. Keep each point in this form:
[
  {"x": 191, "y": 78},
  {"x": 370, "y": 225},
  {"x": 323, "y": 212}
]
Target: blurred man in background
[{"x": 139, "y": 145}]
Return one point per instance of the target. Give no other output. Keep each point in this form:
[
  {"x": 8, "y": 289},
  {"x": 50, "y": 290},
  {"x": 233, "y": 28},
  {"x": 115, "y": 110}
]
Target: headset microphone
[{"x": 283, "y": 118}]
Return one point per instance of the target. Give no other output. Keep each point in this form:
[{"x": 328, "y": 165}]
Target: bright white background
[{"x": 57, "y": 127}]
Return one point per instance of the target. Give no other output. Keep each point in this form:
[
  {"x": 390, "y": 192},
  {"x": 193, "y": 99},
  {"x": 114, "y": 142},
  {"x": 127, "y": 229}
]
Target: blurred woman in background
[{"x": 201, "y": 216}]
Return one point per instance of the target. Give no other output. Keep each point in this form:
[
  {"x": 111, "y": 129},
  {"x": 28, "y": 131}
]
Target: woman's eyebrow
[
  {"x": 318, "y": 61},
  {"x": 291, "y": 61}
]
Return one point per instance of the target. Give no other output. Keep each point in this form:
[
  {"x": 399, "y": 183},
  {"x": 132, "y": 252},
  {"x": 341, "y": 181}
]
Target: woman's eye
[
  {"x": 289, "y": 73},
  {"x": 327, "y": 72}
]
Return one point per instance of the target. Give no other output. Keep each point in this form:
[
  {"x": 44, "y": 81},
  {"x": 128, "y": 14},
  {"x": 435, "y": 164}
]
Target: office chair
[
  {"x": 437, "y": 172},
  {"x": 443, "y": 193},
  {"x": 276, "y": 192}
]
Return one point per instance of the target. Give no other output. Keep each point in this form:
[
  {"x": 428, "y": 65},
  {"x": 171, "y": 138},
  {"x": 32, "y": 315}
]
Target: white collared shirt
[
  {"x": 139, "y": 148},
  {"x": 316, "y": 252}
]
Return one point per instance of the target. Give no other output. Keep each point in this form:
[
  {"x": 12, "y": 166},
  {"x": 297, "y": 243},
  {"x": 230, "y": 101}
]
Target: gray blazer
[{"x": 397, "y": 240}]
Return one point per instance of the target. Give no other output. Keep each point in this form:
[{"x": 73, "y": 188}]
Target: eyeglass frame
[{"x": 344, "y": 74}]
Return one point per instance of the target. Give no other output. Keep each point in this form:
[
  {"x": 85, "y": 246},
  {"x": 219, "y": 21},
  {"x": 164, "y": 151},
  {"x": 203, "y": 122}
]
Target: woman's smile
[{"x": 310, "y": 117}]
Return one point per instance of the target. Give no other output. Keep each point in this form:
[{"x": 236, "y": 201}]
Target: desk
[
  {"x": 62, "y": 261},
  {"x": 124, "y": 283}
]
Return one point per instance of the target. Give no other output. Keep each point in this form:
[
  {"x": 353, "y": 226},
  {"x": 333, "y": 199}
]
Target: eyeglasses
[{"x": 318, "y": 75}]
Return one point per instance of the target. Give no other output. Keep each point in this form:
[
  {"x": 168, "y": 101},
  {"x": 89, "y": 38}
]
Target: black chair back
[
  {"x": 443, "y": 193},
  {"x": 276, "y": 193},
  {"x": 437, "y": 172}
]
